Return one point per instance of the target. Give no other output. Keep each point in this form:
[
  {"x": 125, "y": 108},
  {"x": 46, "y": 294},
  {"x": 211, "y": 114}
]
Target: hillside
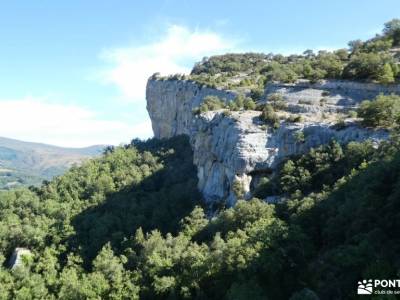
[
  {"x": 24, "y": 163},
  {"x": 287, "y": 191},
  {"x": 129, "y": 225}
]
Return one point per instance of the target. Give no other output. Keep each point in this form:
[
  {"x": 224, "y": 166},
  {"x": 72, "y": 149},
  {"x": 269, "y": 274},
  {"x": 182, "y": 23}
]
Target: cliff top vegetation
[{"x": 374, "y": 60}]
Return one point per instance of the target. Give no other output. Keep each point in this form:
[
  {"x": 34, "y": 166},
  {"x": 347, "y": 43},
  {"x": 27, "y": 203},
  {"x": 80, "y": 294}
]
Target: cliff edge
[{"x": 232, "y": 150}]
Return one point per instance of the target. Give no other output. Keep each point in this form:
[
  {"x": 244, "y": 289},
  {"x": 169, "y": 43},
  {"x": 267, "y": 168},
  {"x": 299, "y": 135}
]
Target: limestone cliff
[
  {"x": 337, "y": 92},
  {"x": 170, "y": 104},
  {"x": 231, "y": 151}
]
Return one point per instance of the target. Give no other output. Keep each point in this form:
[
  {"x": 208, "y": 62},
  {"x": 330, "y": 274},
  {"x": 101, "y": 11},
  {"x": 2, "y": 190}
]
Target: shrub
[
  {"x": 211, "y": 103},
  {"x": 249, "y": 104},
  {"x": 260, "y": 106},
  {"x": 242, "y": 102},
  {"x": 238, "y": 189},
  {"x": 280, "y": 72},
  {"x": 372, "y": 66},
  {"x": 257, "y": 93},
  {"x": 352, "y": 114},
  {"x": 305, "y": 102},
  {"x": 299, "y": 136},
  {"x": 232, "y": 105},
  {"x": 227, "y": 113},
  {"x": 269, "y": 116},
  {"x": 277, "y": 101},
  {"x": 384, "y": 111},
  {"x": 294, "y": 119},
  {"x": 386, "y": 75}
]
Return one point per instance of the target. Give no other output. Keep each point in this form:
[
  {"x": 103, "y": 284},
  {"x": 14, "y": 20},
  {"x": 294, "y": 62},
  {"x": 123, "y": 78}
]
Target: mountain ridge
[
  {"x": 29, "y": 163},
  {"x": 20, "y": 143}
]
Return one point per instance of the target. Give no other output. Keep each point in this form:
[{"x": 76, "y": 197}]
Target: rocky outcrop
[
  {"x": 234, "y": 151},
  {"x": 17, "y": 257},
  {"x": 170, "y": 104},
  {"x": 338, "y": 93},
  {"x": 231, "y": 151}
]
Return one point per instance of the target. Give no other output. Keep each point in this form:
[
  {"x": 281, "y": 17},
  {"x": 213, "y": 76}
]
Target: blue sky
[{"x": 73, "y": 73}]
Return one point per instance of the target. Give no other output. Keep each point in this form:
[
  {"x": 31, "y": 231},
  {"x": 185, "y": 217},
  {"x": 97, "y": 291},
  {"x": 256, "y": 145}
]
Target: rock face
[
  {"x": 235, "y": 150},
  {"x": 231, "y": 151},
  {"x": 16, "y": 259},
  {"x": 334, "y": 92},
  {"x": 170, "y": 104}
]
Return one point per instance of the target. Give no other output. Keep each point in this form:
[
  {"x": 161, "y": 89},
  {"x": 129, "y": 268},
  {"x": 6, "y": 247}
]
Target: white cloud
[
  {"x": 38, "y": 120},
  {"x": 175, "y": 52}
]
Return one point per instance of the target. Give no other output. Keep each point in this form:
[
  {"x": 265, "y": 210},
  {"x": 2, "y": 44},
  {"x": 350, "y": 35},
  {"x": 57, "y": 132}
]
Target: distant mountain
[{"x": 25, "y": 163}]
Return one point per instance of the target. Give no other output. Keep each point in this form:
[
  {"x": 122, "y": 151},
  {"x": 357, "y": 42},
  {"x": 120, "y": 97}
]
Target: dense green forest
[{"x": 131, "y": 225}]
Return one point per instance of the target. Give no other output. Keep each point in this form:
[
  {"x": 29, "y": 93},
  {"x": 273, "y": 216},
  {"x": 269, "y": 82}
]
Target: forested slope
[{"x": 130, "y": 225}]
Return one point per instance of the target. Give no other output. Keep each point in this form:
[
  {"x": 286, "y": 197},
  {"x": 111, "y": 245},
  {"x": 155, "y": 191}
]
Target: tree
[
  {"x": 384, "y": 111},
  {"x": 195, "y": 222},
  {"x": 342, "y": 54},
  {"x": 317, "y": 74},
  {"x": 330, "y": 65},
  {"x": 277, "y": 101},
  {"x": 294, "y": 177},
  {"x": 108, "y": 264},
  {"x": 378, "y": 45},
  {"x": 367, "y": 65},
  {"x": 355, "y": 45},
  {"x": 309, "y": 53},
  {"x": 392, "y": 29},
  {"x": 386, "y": 75}
]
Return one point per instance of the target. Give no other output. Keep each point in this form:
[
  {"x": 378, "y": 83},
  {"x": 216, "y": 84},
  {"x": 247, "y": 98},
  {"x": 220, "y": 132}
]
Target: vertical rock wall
[{"x": 229, "y": 150}]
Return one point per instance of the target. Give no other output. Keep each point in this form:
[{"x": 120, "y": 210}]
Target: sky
[{"x": 73, "y": 73}]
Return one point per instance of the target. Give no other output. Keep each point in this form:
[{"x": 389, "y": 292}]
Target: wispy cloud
[
  {"x": 37, "y": 119},
  {"x": 41, "y": 120},
  {"x": 173, "y": 52}
]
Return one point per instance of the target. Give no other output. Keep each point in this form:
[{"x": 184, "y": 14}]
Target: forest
[{"x": 131, "y": 225}]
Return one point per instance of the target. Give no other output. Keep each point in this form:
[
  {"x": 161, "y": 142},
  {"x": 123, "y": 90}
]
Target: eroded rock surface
[
  {"x": 170, "y": 104},
  {"x": 340, "y": 93},
  {"x": 232, "y": 149}
]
